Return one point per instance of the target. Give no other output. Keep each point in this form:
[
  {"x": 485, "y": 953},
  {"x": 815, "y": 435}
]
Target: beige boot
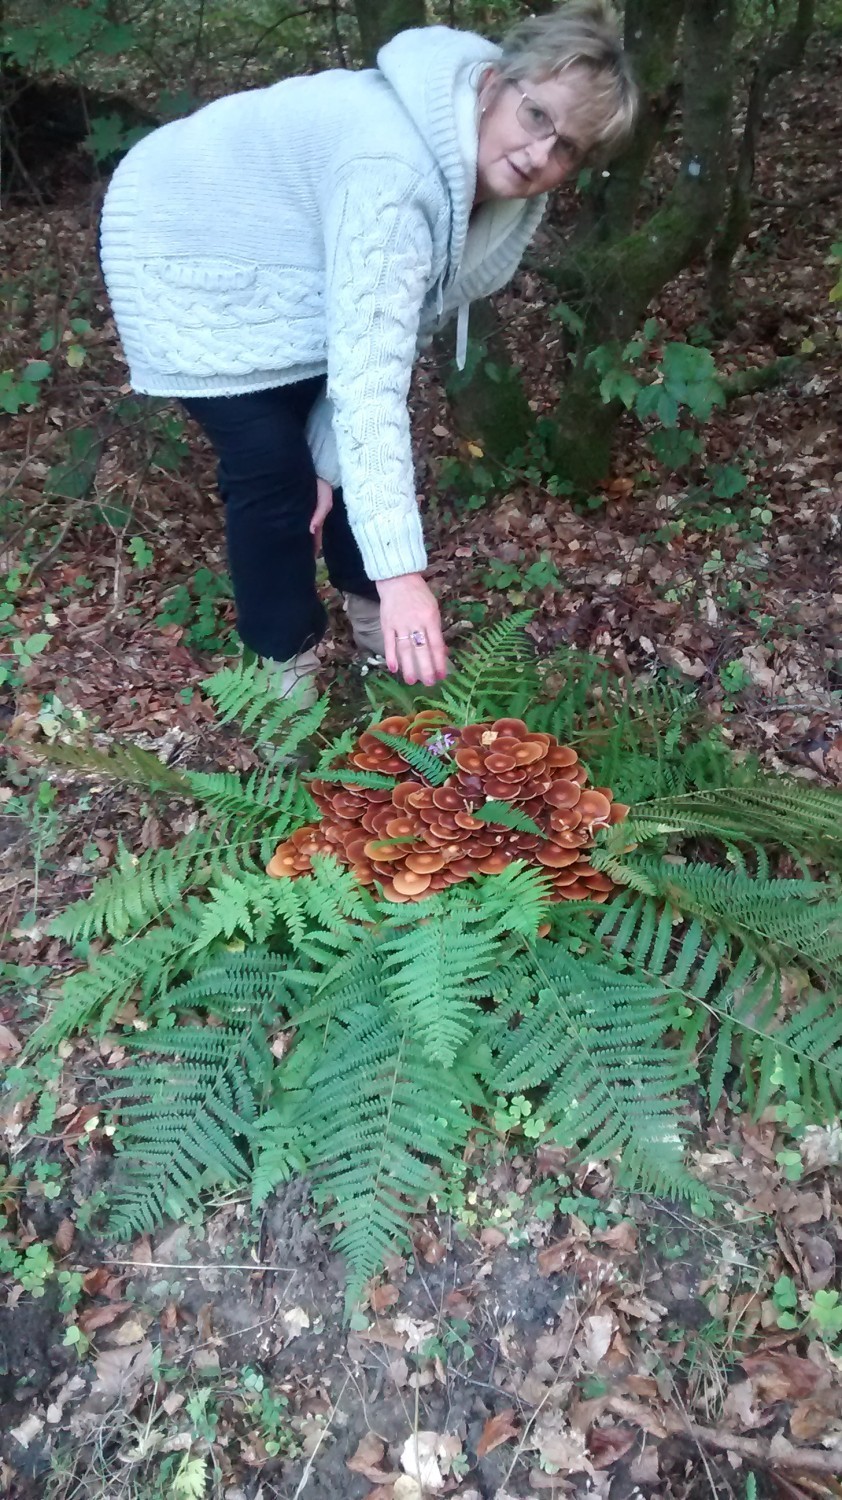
[
  {"x": 364, "y": 619},
  {"x": 300, "y": 669}
]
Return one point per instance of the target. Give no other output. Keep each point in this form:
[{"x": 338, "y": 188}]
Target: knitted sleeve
[{"x": 379, "y": 256}]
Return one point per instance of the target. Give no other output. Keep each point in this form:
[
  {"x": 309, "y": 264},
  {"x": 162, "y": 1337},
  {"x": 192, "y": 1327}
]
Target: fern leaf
[
  {"x": 434, "y": 975},
  {"x": 379, "y": 1112},
  {"x": 435, "y": 768},
  {"x": 349, "y": 777},
  {"x": 594, "y": 1038},
  {"x": 491, "y": 673},
  {"x": 506, "y": 816},
  {"x": 186, "y": 1121},
  {"x": 129, "y": 763},
  {"x": 136, "y": 892}
]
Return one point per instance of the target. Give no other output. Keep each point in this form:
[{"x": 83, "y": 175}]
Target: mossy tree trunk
[
  {"x": 781, "y": 55},
  {"x": 379, "y": 20},
  {"x": 610, "y": 275}
]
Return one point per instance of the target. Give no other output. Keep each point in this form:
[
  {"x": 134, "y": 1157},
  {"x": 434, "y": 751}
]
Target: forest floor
[{"x": 547, "y": 1337}]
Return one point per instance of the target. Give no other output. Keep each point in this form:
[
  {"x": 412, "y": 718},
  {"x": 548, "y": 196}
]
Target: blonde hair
[{"x": 582, "y": 34}]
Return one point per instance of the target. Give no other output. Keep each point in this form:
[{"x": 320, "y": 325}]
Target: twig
[
  {"x": 209, "y": 1265},
  {"x": 50, "y": 552},
  {"x": 768, "y": 1453}
]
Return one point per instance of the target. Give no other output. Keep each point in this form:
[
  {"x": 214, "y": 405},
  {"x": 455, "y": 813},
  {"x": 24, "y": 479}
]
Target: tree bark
[
  {"x": 379, "y": 20},
  {"x": 785, "y": 53},
  {"x": 611, "y": 280},
  {"x": 487, "y": 399}
]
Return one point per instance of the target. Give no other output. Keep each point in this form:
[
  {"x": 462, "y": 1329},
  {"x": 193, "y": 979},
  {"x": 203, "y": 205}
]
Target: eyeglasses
[{"x": 537, "y": 123}]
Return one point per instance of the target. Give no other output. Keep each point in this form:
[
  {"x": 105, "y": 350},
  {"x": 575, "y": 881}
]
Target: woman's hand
[
  {"x": 409, "y": 614},
  {"x": 324, "y": 505}
]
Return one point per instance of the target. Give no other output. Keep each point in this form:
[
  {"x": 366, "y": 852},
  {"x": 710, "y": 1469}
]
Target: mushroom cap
[{"x": 410, "y": 882}]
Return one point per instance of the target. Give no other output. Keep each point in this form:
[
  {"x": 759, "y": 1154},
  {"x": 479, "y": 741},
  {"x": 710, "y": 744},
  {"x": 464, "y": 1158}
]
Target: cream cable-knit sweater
[{"x": 317, "y": 226}]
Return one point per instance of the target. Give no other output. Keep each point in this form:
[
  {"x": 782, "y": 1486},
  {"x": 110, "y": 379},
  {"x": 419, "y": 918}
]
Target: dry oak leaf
[
  {"x": 556, "y": 1257},
  {"x": 128, "y": 1334},
  {"x": 607, "y": 1444},
  {"x": 809, "y": 1419},
  {"x": 368, "y": 1459},
  {"x": 427, "y": 1457},
  {"x": 383, "y": 1297},
  {"x": 558, "y": 1444},
  {"x": 9, "y": 1044},
  {"x": 621, "y": 1237},
  {"x": 498, "y": 1430},
  {"x": 120, "y": 1373},
  {"x": 598, "y": 1332},
  {"x": 63, "y": 1237},
  {"x": 383, "y": 1331},
  {"x": 777, "y": 1376},
  {"x": 93, "y": 1318}
]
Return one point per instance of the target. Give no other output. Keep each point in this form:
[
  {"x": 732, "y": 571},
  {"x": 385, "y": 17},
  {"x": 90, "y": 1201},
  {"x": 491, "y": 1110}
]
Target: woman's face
[{"x": 531, "y": 135}]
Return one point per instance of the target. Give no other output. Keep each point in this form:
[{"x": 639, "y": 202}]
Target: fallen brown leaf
[
  {"x": 383, "y": 1297},
  {"x": 621, "y": 1237},
  {"x": 101, "y": 1317},
  {"x": 809, "y": 1419},
  {"x": 555, "y": 1257},
  {"x": 607, "y": 1444},
  {"x": 777, "y": 1376},
  {"x": 368, "y": 1459},
  {"x": 63, "y": 1237},
  {"x": 9, "y": 1044},
  {"x": 498, "y": 1430}
]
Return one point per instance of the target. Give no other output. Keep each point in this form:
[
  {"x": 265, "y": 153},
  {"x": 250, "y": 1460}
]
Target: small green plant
[
  {"x": 825, "y": 1314},
  {"x": 17, "y": 391},
  {"x": 199, "y": 606},
  {"x": 270, "y": 1412},
  {"x": 785, "y": 1300},
  {"x": 516, "y": 1116}
]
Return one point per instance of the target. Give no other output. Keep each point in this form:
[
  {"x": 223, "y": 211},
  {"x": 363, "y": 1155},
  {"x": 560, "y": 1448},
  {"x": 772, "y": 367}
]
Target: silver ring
[
  {"x": 402, "y": 637},
  {"x": 418, "y": 638}
]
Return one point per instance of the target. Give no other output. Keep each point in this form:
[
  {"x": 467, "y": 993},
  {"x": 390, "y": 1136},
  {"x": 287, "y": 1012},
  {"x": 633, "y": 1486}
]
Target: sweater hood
[{"x": 434, "y": 71}]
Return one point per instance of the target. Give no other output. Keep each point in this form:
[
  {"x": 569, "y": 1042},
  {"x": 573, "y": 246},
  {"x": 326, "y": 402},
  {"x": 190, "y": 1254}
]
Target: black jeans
[{"x": 268, "y": 483}]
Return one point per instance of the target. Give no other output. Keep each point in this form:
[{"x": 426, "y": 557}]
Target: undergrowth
[{"x": 281, "y": 1027}]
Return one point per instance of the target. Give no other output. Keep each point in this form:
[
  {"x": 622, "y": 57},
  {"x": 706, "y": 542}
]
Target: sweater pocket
[{"x": 219, "y": 317}]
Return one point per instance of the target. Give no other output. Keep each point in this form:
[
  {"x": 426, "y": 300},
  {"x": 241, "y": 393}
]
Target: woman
[{"x": 273, "y": 259}]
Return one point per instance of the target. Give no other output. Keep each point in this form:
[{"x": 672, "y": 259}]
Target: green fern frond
[
  {"x": 250, "y": 984},
  {"x": 798, "y": 920},
  {"x": 141, "y": 966},
  {"x": 515, "y": 901},
  {"x": 436, "y": 972},
  {"x": 593, "y": 1038},
  {"x": 250, "y": 694},
  {"x": 505, "y": 816},
  {"x": 268, "y": 800},
  {"x": 799, "y": 818},
  {"x": 128, "y": 763},
  {"x": 190, "y": 1132},
  {"x": 351, "y": 777},
  {"x": 381, "y": 1115},
  {"x": 801, "y": 1052},
  {"x": 435, "y": 768},
  {"x": 494, "y": 675},
  {"x": 342, "y": 745},
  {"x": 134, "y": 893}
]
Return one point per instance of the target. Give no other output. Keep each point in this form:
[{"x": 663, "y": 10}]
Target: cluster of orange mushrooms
[{"x": 415, "y": 838}]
